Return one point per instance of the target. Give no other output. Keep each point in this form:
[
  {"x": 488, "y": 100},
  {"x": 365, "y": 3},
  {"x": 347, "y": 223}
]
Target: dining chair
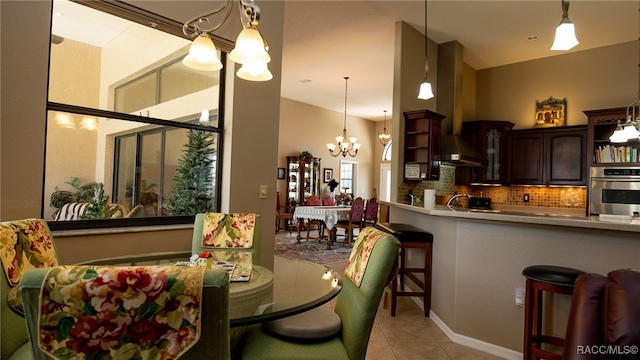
[
  {"x": 313, "y": 200},
  {"x": 328, "y": 201},
  {"x": 234, "y": 237},
  {"x": 24, "y": 244},
  {"x": 355, "y": 220},
  {"x": 369, "y": 269},
  {"x": 283, "y": 213},
  {"x": 370, "y": 213},
  {"x": 149, "y": 311}
]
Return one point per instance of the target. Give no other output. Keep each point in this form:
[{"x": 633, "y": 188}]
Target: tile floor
[{"x": 409, "y": 335}]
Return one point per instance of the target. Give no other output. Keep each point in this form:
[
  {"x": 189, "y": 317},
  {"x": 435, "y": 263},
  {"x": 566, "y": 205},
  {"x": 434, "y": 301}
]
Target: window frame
[{"x": 140, "y": 16}]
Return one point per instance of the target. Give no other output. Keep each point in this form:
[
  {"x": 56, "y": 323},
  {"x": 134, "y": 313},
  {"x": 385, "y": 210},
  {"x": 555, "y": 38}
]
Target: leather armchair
[{"x": 604, "y": 316}]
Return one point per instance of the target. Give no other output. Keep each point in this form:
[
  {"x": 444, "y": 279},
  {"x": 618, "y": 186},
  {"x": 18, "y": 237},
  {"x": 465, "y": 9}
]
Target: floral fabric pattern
[
  {"x": 360, "y": 253},
  {"x": 25, "y": 244},
  {"x": 129, "y": 312},
  {"x": 228, "y": 230}
]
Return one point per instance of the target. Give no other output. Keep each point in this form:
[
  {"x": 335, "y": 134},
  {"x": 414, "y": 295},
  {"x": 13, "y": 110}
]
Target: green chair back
[
  {"x": 214, "y": 336},
  {"x": 199, "y": 226}
]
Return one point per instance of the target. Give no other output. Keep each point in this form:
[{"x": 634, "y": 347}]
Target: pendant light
[
  {"x": 629, "y": 130},
  {"x": 426, "y": 92},
  {"x": 565, "y": 32},
  {"x": 385, "y": 135},
  {"x": 342, "y": 147}
]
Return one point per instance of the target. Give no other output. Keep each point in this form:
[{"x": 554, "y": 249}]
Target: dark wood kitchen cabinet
[
  {"x": 422, "y": 145},
  {"x": 549, "y": 156},
  {"x": 489, "y": 138}
]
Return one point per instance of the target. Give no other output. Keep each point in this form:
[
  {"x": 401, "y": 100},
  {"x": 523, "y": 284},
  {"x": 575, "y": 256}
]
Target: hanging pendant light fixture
[
  {"x": 426, "y": 92},
  {"x": 250, "y": 50},
  {"x": 629, "y": 130},
  {"x": 385, "y": 135},
  {"x": 565, "y": 32},
  {"x": 342, "y": 147}
]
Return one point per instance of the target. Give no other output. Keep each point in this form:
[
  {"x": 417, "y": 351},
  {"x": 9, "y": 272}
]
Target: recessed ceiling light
[
  {"x": 304, "y": 81},
  {"x": 532, "y": 38},
  {"x": 57, "y": 13}
]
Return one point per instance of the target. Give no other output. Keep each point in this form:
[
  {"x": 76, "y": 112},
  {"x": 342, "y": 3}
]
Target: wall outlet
[
  {"x": 520, "y": 296},
  {"x": 525, "y": 197}
]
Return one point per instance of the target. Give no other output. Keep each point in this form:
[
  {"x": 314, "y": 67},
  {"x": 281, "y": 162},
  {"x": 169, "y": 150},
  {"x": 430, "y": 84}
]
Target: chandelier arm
[
  {"x": 196, "y": 22},
  {"x": 249, "y": 13}
]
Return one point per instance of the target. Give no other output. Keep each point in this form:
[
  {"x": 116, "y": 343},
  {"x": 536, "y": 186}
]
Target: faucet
[{"x": 454, "y": 197}]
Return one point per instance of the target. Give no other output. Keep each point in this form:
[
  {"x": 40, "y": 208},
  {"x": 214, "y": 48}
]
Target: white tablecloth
[{"x": 329, "y": 214}]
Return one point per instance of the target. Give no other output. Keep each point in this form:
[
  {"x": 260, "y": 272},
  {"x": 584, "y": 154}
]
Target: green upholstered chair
[
  {"x": 356, "y": 306},
  {"x": 24, "y": 244},
  {"x": 213, "y": 342},
  {"x": 233, "y": 233}
]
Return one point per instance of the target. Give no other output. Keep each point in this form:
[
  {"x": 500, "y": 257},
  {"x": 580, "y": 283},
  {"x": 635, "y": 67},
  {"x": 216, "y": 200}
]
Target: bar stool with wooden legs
[
  {"x": 411, "y": 237},
  {"x": 553, "y": 279}
]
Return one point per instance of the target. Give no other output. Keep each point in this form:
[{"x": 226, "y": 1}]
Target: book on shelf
[{"x": 616, "y": 154}]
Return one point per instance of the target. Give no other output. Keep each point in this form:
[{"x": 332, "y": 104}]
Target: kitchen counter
[
  {"x": 478, "y": 258},
  {"x": 542, "y": 216}
]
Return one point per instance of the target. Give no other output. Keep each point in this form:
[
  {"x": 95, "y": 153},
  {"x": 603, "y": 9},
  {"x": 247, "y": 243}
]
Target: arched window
[{"x": 386, "y": 153}]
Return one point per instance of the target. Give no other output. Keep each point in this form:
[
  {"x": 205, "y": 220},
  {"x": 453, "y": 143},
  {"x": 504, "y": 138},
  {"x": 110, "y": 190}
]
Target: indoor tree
[{"x": 193, "y": 180}]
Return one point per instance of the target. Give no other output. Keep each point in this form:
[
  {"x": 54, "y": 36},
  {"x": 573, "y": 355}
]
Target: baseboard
[{"x": 468, "y": 341}]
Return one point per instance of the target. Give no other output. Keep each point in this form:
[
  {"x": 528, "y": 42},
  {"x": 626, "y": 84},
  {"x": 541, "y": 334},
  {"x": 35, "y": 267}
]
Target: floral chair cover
[
  {"x": 130, "y": 312},
  {"x": 24, "y": 244},
  {"x": 360, "y": 253},
  {"x": 228, "y": 231}
]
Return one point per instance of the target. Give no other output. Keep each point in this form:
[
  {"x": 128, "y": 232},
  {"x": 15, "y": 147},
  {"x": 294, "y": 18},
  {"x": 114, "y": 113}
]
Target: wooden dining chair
[
  {"x": 328, "y": 201},
  {"x": 355, "y": 220},
  {"x": 283, "y": 213},
  {"x": 370, "y": 213},
  {"x": 313, "y": 200}
]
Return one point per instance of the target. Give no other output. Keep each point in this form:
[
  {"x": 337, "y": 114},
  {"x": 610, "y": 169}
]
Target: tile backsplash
[{"x": 556, "y": 197}]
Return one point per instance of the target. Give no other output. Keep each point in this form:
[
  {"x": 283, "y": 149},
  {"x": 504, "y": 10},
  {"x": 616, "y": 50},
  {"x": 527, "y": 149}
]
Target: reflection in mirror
[{"x": 127, "y": 121}]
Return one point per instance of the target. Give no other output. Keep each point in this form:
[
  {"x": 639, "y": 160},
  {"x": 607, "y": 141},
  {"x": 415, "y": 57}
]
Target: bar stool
[
  {"x": 411, "y": 237},
  {"x": 554, "y": 279}
]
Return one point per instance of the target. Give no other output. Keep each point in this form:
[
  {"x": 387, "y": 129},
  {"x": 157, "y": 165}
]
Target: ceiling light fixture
[
  {"x": 426, "y": 92},
  {"x": 344, "y": 148},
  {"x": 565, "y": 32},
  {"x": 250, "y": 50},
  {"x": 629, "y": 130},
  {"x": 385, "y": 135}
]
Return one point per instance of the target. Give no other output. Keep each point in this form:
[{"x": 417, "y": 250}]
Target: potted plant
[{"x": 305, "y": 155}]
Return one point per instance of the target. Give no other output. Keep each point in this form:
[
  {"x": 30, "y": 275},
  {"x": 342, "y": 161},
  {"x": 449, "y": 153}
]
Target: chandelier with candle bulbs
[
  {"x": 341, "y": 146},
  {"x": 250, "y": 47}
]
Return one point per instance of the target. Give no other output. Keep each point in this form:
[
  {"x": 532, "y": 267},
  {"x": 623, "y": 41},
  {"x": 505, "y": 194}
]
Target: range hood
[{"x": 455, "y": 151}]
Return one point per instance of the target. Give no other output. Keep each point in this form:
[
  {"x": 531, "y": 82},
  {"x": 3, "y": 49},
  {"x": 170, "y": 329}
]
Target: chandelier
[
  {"x": 385, "y": 135},
  {"x": 250, "y": 50},
  {"x": 426, "y": 92},
  {"x": 342, "y": 147}
]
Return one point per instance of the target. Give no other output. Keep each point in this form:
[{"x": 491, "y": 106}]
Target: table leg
[{"x": 300, "y": 220}]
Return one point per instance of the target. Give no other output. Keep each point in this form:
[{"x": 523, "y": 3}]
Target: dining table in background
[{"x": 330, "y": 215}]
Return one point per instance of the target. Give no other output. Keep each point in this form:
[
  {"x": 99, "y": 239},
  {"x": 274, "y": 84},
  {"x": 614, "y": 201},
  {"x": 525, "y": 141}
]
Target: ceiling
[{"x": 324, "y": 41}]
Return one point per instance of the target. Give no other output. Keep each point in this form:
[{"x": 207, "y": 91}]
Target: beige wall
[
  {"x": 606, "y": 77},
  {"x": 250, "y": 154},
  {"x": 310, "y": 128}
]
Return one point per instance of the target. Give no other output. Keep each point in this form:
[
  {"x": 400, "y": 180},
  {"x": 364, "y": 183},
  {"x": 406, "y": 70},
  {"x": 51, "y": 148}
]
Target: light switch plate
[{"x": 263, "y": 191}]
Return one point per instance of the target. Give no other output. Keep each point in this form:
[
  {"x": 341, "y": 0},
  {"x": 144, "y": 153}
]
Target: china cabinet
[{"x": 303, "y": 178}]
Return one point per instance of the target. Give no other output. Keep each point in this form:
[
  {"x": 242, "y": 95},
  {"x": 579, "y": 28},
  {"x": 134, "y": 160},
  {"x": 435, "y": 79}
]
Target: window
[
  {"x": 348, "y": 177},
  {"x": 123, "y": 113}
]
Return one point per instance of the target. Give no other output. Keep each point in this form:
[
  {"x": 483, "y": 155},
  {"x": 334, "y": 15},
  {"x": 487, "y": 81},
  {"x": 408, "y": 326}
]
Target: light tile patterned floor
[{"x": 409, "y": 335}]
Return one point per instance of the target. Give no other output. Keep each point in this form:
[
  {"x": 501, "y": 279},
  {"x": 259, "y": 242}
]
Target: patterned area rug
[{"x": 287, "y": 246}]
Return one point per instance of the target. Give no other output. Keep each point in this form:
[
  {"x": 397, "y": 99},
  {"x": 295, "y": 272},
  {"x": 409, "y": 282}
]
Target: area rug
[{"x": 287, "y": 246}]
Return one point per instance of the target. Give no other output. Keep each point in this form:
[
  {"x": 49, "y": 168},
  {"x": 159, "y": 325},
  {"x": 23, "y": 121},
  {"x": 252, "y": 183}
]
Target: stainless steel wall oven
[{"x": 614, "y": 191}]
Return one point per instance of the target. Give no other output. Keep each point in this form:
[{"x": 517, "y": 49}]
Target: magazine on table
[{"x": 237, "y": 272}]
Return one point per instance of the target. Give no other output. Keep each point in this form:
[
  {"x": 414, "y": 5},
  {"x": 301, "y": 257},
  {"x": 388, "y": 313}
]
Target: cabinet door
[
  {"x": 526, "y": 158},
  {"x": 567, "y": 157}
]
